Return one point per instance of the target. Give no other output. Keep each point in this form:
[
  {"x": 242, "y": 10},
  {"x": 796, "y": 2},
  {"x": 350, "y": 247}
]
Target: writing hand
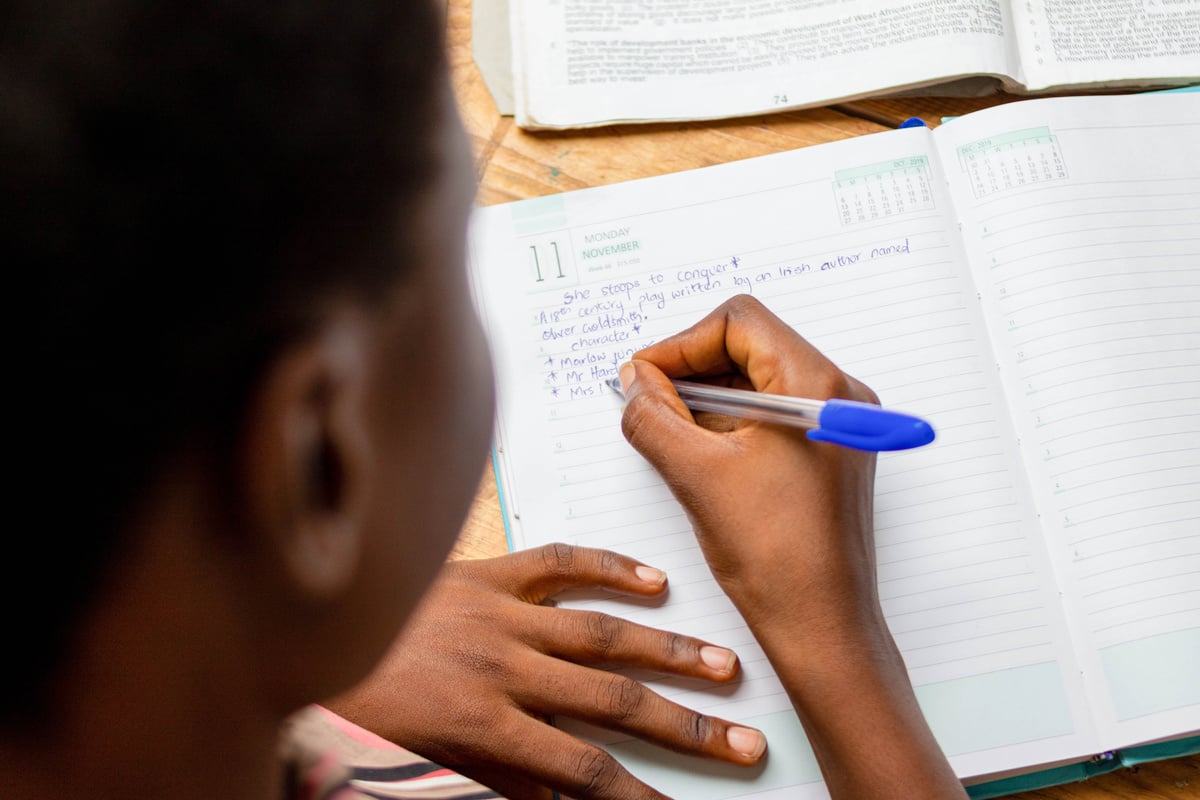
[
  {"x": 807, "y": 505},
  {"x": 786, "y": 526},
  {"x": 483, "y": 663}
]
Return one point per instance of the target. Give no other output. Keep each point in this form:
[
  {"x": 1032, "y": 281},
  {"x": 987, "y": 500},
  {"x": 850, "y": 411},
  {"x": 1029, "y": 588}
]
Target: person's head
[{"x": 253, "y": 369}]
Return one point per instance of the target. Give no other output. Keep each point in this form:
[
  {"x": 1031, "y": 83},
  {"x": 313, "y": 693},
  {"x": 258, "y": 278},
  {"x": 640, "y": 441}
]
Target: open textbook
[
  {"x": 1027, "y": 278},
  {"x": 590, "y": 62}
]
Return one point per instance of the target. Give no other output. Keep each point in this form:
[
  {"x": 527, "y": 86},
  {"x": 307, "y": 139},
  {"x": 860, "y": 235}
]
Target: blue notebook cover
[{"x": 1099, "y": 765}]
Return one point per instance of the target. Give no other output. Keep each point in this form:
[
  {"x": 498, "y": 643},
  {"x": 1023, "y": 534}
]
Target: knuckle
[
  {"x": 477, "y": 714},
  {"x": 483, "y": 664},
  {"x": 621, "y": 698},
  {"x": 677, "y": 646},
  {"x": 743, "y": 305},
  {"x": 603, "y": 631},
  {"x": 698, "y": 729},
  {"x": 609, "y": 562},
  {"x": 598, "y": 773},
  {"x": 866, "y": 394},
  {"x": 558, "y": 558},
  {"x": 492, "y": 725},
  {"x": 831, "y": 382}
]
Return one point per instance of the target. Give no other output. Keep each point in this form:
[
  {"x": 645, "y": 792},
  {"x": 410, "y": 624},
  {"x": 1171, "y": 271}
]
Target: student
[{"x": 253, "y": 403}]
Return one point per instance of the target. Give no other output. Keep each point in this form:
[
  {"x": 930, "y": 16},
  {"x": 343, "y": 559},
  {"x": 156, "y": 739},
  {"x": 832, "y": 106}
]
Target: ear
[{"x": 306, "y": 460}]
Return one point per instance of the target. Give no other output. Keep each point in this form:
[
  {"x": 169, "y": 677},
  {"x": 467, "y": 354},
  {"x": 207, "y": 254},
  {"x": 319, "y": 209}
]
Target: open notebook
[{"x": 1025, "y": 278}]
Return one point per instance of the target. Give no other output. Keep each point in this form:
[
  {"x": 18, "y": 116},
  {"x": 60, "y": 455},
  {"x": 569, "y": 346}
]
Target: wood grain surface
[{"x": 511, "y": 164}]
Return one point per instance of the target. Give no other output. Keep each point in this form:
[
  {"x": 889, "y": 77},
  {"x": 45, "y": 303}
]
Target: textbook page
[
  {"x": 854, "y": 244},
  {"x": 1130, "y": 43},
  {"x": 590, "y": 62},
  {"x": 1081, "y": 218}
]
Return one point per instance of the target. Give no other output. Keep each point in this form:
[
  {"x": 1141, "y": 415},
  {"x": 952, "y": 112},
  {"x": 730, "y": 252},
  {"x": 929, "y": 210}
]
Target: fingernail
[
  {"x": 747, "y": 741},
  {"x": 652, "y": 576},
  {"x": 627, "y": 374},
  {"x": 717, "y": 658}
]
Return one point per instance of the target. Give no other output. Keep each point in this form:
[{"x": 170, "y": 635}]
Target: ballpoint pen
[{"x": 863, "y": 426}]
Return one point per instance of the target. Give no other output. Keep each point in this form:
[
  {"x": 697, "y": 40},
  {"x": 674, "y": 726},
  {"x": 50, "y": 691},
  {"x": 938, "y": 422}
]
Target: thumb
[{"x": 659, "y": 425}]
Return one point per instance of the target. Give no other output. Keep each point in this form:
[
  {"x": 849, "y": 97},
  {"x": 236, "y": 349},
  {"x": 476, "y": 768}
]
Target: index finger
[
  {"x": 742, "y": 336},
  {"x": 545, "y": 571}
]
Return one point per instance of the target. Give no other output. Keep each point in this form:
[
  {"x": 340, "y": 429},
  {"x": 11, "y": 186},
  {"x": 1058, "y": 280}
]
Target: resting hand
[
  {"x": 784, "y": 523},
  {"x": 483, "y": 663}
]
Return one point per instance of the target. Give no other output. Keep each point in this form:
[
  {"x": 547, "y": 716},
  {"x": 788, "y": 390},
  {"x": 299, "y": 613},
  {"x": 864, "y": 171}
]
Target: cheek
[
  {"x": 432, "y": 451},
  {"x": 455, "y": 433}
]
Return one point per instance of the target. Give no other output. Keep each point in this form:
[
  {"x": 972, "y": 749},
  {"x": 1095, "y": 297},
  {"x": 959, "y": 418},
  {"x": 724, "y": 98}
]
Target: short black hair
[{"x": 181, "y": 181}]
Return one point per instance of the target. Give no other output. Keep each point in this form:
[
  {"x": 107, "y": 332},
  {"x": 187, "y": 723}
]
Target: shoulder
[{"x": 326, "y": 757}]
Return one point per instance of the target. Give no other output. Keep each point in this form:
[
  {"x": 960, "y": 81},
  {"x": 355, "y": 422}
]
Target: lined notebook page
[
  {"x": 853, "y": 244},
  {"x": 1082, "y": 219}
]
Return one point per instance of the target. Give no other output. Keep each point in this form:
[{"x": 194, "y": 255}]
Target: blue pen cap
[{"x": 864, "y": 426}]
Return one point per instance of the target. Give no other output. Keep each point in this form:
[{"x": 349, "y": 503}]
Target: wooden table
[{"x": 511, "y": 164}]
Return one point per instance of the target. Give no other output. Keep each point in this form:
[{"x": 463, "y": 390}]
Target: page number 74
[{"x": 780, "y": 99}]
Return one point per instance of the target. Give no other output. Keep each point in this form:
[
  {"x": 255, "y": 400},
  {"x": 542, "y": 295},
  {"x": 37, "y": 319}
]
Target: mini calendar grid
[
  {"x": 1017, "y": 158},
  {"x": 886, "y": 189}
]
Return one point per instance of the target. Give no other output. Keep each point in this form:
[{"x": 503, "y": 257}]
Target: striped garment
[{"x": 327, "y": 757}]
